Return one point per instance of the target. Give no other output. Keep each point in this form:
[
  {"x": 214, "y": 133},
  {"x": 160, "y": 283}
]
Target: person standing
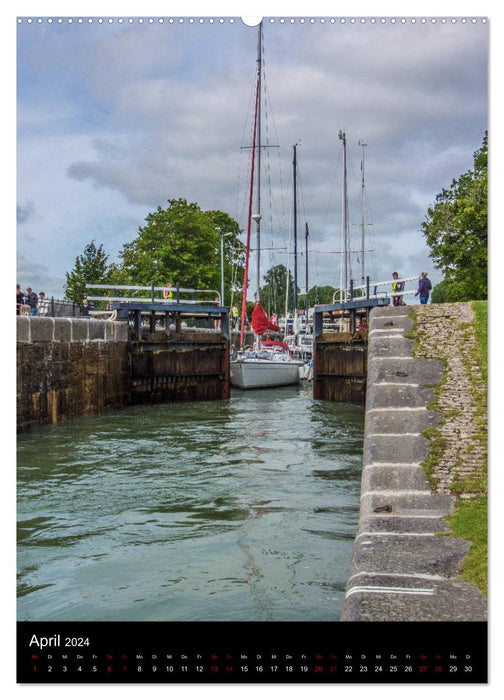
[
  {"x": 42, "y": 305},
  {"x": 424, "y": 288},
  {"x": 235, "y": 316},
  {"x": 19, "y": 299},
  {"x": 168, "y": 293},
  {"x": 84, "y": 309},
  {"x": 31, "y": 300},
  {"x": 397, "y": 287}
]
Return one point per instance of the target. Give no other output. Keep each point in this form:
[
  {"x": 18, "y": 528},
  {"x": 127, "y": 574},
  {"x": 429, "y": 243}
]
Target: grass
[{"x": 470, "y": 522}]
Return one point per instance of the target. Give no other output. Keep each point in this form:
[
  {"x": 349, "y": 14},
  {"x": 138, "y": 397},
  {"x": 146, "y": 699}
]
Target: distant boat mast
[
  {"x": 344, "y": 225},
  {"x": 363, "y": 277}
]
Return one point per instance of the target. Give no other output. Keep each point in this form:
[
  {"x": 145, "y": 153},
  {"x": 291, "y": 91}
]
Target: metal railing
[
  {"x": 53, "y": 308},
  {"x": 179, "y": 294},
  {"x": 371, "y": 290}
]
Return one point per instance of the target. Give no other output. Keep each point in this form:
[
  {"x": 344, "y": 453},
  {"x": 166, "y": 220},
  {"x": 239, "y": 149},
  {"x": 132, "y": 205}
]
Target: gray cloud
[
  {"x": 153, "y": 113},
  {"x": 24, "y": 212}
]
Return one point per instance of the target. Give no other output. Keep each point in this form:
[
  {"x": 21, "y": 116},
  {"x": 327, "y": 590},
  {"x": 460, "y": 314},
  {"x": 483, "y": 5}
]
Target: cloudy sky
[{"x": 115, "y": 118}]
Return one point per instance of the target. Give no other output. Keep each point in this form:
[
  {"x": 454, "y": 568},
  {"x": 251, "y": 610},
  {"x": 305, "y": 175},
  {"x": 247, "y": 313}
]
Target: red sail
[{"x": 260, "y": 322}]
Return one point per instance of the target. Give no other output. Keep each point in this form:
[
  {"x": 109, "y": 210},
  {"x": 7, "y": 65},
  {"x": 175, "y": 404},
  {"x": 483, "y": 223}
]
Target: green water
[{"x": 239, "y": 510}]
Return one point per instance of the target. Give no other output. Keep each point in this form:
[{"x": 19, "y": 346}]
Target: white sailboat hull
[{"x": 257, "y": 374}]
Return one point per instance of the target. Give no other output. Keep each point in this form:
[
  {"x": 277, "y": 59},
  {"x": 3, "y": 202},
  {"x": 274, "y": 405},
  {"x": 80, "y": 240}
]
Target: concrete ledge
[
  {"x": 42, "y": 330},
  {"x": 383, "y": 345},
  {"x": 372, "y": 597},
  {"x": 36, "y": 329},
  {"x": 410, "y": 555},
  {"x": 23, "y": 329},
  {"x": 400, "y": 421},
  {"x": 401, "y": 448},
  {"x": 405, "y": 503},
  {"x": 402, "y": 570},
  {"x": 63, "y": 330},
  {"x": 404, "y": 370},
  {"x": 392, "y": 477},
  {"x": 401, "y": 523},
  {"x": 399, "y": 395}
]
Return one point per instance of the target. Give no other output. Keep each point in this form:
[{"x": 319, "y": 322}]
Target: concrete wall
[
  {"x": 69, "y": 367},
  {"x": 402, "y": 570}
]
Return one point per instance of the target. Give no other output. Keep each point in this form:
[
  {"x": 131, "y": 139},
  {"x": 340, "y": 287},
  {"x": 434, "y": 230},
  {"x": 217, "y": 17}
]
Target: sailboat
[{"x": 269, "y": 363}]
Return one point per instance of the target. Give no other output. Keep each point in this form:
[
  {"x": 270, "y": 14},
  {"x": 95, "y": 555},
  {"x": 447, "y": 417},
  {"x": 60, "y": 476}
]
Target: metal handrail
[
  {"x": 377, "y": 294},
  {"x": 152, "y": 289}
]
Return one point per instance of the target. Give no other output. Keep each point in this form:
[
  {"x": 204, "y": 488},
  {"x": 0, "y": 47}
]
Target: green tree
[
  {"x": 321, "y": 295},
  {"x": 90, "y": 268},
  {"x": 182, "y": 244},
  {"x": 439, "y": 293},
  {"x": 456, "y": 230},
  {"x": 273, "y": 292}
]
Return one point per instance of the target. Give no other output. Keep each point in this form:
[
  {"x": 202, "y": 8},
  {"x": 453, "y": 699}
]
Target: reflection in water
[{"x": 239, "y": 510}]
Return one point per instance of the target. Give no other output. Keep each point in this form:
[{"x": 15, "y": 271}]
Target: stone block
[
  {"x": 96, "y": 330},
  {"x": 390, "y": 346},
  {"x": 408, "y": 503},
  {"x": 388, "y": 522},
  {"x": 392, "y": 477},
  {"x": 392, "y": 325},
  {"x": 390, "y": 396},
  {"x": 410, "y": 554},
  {"x": 406, "y": 449},
  {"x": 404, "y": 370},
  {"x": 374, "y": 597},
  {"x": 42, "y": 330},
  {"x": 387, "y": 312},
  {"x": 23, "y": 329},
  {"x": 80, "y": 329},
  {"x": 397, "y": 421},
  {"x": 63, "y": 330}
]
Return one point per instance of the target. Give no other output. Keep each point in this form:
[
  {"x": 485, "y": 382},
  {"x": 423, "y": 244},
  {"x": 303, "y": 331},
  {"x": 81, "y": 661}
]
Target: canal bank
[{"x": 406, "y": 563}]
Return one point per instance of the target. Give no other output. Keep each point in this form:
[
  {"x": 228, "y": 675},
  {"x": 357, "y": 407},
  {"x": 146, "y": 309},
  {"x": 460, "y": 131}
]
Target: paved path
[{"x": 402, "y": 570}]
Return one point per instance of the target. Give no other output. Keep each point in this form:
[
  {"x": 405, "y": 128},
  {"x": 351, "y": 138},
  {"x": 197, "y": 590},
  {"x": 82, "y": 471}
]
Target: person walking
[{"x": 424, "y": 288}]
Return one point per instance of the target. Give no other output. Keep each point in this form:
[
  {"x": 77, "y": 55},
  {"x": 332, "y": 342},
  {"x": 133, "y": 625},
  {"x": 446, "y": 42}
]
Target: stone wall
[
  {"x": 68, "y": 367},
  {"x": 402, "y": 570}
]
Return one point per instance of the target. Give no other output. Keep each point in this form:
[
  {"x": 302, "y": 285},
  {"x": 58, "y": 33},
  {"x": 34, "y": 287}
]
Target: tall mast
[
  {"x": 306, "y": 266},
  {"x": 250, "y": 217},
  {"x": 361, "y": 143},
  {"x": 294, "y": 164},
  {"x": 257, "y": 215},
  {"x": 344, "y": 225}
]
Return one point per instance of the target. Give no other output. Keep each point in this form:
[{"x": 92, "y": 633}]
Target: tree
[
  {"x": 273, "y": 292},
  {"x": 456, "y": 230},
  {"x": 182, "y": 244},
  {"x": 321, "y": 295},
  {"x": 90, "y": 268}
]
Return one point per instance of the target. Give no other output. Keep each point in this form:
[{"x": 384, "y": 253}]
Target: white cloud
[{"x": 114, "y": 121}]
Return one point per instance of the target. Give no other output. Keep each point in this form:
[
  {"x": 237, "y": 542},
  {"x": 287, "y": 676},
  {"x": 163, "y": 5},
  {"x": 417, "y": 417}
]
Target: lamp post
[{"x": 223, "y": 236}]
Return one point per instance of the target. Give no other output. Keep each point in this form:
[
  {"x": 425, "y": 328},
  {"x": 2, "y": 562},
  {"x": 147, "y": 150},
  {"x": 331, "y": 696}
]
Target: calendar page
[{"x": 251, "y": 349}]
